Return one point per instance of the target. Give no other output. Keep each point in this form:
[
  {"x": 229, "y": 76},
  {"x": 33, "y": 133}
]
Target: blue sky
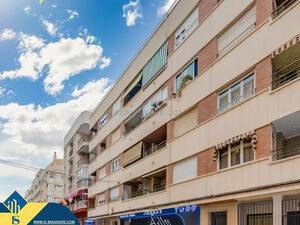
[{"x": 57, "y": 59}]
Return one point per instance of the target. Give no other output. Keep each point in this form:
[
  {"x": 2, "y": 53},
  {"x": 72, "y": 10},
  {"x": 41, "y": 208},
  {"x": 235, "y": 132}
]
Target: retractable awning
[{"x": 286, "y": 45}]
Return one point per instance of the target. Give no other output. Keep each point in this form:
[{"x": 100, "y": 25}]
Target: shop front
[{"x": 185, "y": 215}]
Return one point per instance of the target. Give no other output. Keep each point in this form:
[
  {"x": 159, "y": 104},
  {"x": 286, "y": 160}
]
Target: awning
[
  {"x": 133, "y": 154},
  {"x": 246, "y": 136},
  {"x": 76, "y": 194},
  {"x": 133, "y": 83},
  {"x": 286, "y": 45}
]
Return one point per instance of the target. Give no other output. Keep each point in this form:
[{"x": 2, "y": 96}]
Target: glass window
[
  {"x": 116, "y": 106},
  {"x": 219, "y": 218},
  {"x": 103, "y": 119},
  {"x": 115, "y": 165},
  {"x": 164, "y": 94},
  {"x": 114, "y": 194},
  {"x": 248, "y": 87},
  {"x": 248, "y": 151},
  {"x": 224, "y": 158},
  {"x": 178, "y": 81},
  {"x": 223, "y": 101},
  {"x": 235, "y": 153},
  {"x": 191, "y": 69},
  {"x": 235, "y": 92}
]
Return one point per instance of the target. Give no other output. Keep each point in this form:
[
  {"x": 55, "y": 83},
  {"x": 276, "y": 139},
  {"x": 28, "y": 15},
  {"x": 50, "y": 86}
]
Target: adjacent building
[
  {"x": 203, "y": 126},
  {"x": 76, "y": 166},
  {"x": 47, "y": 185}
]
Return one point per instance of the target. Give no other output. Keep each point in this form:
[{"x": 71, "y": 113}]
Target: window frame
[
  {"x": 117, "y": 197},
  {"x": 180, "y": 74},
  {"x": 105, "y": 174},
  {"x": 241, "y": 143},
  {"x": 119, "y": 104},
  {"x": 113, "y": 165},
  {"x": 103, "y": 119},
  {"x": 250, "y": 76}
]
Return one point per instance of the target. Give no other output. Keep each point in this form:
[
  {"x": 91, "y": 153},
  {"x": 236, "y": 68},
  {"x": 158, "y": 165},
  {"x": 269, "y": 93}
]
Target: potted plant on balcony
[
  {"x": 154, "y": 107},
  {"x": 184, "y": 81},
  {"x": 160, "y": 102}
]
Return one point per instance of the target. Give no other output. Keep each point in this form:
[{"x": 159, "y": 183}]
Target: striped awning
[
  {"x": 286, "y": 45},
  {"x": 246, "y": 136}
]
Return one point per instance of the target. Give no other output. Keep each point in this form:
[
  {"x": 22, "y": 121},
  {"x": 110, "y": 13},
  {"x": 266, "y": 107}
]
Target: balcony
[
  {"x": 286, "y": 137},
  {"x": 153, "y": 142},
  {"x": 145, "y": 185},
  {"x": 71, "y": 153},
  {"x": 84, "y": 159},
  {"x": 279, "y": 6},
  {"x": 82, "y": 204},
  {"x": 83, "y": 145},
  {"x": 84, "y": 182},
  {"x": 286, "y": 63}
]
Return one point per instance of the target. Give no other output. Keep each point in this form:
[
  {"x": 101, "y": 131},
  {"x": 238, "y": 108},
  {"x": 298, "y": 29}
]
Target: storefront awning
[
  {"x": 286, "y": 45},
  {"x": 133, "y": 154}
]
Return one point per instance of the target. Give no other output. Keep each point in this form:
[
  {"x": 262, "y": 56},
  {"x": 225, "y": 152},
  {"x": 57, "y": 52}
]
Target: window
[
  {"x": 114, "y": 194},
  {"x": 103, "y": 119},
  {"x": 237, "y": 93},
  {"x": 115, "y": 165},
  {"x": 219, "y": 218},
  {"x": 102, "y": 172},
  {"x": 116, "y": 106},
  {"x": 237, "y": 31},
  {"x": 155, "y": 65},
  {"x": 191, "y": 69},
  {"x": 133, "y": 88},
  {"x": 185, "y": 170},
  {"x": 101, "y": 199},
  {"x": 83, "y": 173},
  {"x": 236, "y": 153},
  {"x": 186, "y": 28},
  {"x": 155, "y": 102}
]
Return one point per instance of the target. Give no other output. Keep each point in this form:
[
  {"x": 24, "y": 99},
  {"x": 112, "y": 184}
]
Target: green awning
[
  {"x": 133, "y": 83},
  {"x": 155, "y": 65}
]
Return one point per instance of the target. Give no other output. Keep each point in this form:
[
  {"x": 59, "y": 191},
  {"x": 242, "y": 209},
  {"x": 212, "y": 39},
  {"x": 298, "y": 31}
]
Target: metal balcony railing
[
  {"x": 82, "y": 204},
  {"x": 71, "y": 152},
  {"x": 155, "y": 148},
  {"x": 155, "y": 188},
  {"x": 286, "y": 74},
  {"x": 291, "y": 211},
  {"x": 281, "y": 8},
  {"x": 82, "y": 140},
  {"x": 286, "y": 152},
  {"x": 84, "y": 182}
]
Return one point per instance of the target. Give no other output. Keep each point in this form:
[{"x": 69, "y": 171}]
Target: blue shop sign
[
  {"x": 185, "y": 215},
  {"x": 88, "y": 222}
]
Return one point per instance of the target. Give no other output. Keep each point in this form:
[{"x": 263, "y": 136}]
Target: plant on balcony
[
  {"x": 154, "y": 107},
  {"x": 160, "y": 102},
  {"x": 184, "y": 81}
]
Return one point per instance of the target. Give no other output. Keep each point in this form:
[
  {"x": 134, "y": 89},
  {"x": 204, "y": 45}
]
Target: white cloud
[
  {"x": 2, "y": 92},
  {"x": 27, "y": 9},
  {"x": 53, "y": 6},
  {"x": 105, "y": 62},
  {"x": 132, "y": 11},
  {"x": 90, "y": 39},
  {"x": 32, "y": 132},
  {"x": 7, "y": 34},
  {"x": 73, "y": 14},
  {"x": 166, "y": 7},
  {"x": 50, "y": 27},
  {"x": 58, "y": 60}
]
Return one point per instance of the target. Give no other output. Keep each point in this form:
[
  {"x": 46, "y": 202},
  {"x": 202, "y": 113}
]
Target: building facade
[
  {"x": 47, "y": 185},
  {"x": 76, "y": 160},
  {"x": 203, "y": 126}
]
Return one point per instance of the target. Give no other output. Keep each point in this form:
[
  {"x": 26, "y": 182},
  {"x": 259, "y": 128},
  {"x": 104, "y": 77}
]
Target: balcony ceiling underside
[{"x": 289, "y": 125}]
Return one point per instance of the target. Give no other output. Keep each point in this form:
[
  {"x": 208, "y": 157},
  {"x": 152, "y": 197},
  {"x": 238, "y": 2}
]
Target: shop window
[{"x": 219, "y": 218}]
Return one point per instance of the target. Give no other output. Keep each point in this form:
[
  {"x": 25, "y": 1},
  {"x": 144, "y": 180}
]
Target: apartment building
[
  {"x": 76, "y": 160},
  {"x": 48, "y": 183},
  {"x": 203, "y": 126}
]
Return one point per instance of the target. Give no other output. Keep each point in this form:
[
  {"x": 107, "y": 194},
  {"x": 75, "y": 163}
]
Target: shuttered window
[
  {"x": 102, "y": 172},
  {"x": 237, "y": 31},
  {"x": 133, "y": 154},
  {"x": 116, "y": 135},
  {"x": 185, "y": 170},
  {"x": 114, "y": 194},
  {"x": 155, "y": 65},
  {"x": 186, "y": 28},
  {"x": 185, "y": 122},
  {"x": 101, "y": 199}
]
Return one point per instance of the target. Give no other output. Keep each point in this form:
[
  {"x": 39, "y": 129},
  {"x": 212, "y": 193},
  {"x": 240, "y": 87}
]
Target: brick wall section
[
  {"x": 108, "y": 141},
  {"x": 121, "y": 191},
  {"x": 107, "y": 196},
  {"x": 263, "y": 11},
  {"x": 170, "y": 84},
  {"x": 169, "y": 177},
  {"x": 171, "y": 43},
  {"x": 98, "y": 149},
  {"x": 264, "y": 140},
  {"x": 109, "y": 113},
  {"x": 205, "y": 162},
  {"x": 204, "y": 8},
  {"x": 263, "y": 74},
  {"x": 122, "y": 128},
  {"x": 98, "y": 125},
  {"x": 207, "y": 55},
  {"x": 108, "y": 168},
  {"x": 170, "y": 130},
  {"x": 207, "y": 108}
]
